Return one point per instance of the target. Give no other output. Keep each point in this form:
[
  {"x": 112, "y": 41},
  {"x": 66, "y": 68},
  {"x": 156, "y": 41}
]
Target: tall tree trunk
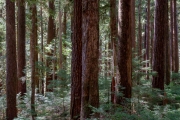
[
  {"x": 51, "y": 36},
  {"x": 21, "y": 58},
  {"x": 76, "y": 64},
  {"x": 33, "y": 39},
  {"x": 172, "y": 35},
  {"x": 139, "y": 31},
  {"x": 176, "y": 50},
  {"x": 167, "y": 48},
  {"x": 64, "y": 30},
  {"x": 133, "y": 22},
  {"x": 113, "y": 29},
  {"x": 152, "y": 43},
  {"x": 90, "y": 55},
  {"x": 1, "y": 46},
  {"x": 42, "y": 52},
  {"x": 159, "y": 45},
  {"x": 11, "y": 64},
  {"x": 124, "y": 48},
  {"x": 60, "y": 39},
  {"x": 148, "y": 35}
]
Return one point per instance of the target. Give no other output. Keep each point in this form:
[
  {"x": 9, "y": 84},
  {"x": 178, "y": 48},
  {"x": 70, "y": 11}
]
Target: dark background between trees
[{"x": 89, "y": 59}]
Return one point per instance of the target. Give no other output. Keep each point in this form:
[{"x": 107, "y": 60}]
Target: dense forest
[{"x": 89, "y": 60}]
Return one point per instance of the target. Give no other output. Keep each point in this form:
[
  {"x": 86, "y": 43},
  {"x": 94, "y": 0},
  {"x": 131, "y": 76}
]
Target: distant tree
[
  {"x": 90, "y": 55},
  {"x": 21, "y": 58},
  {"x": 11, "y": 64},
  {"x": 139, "y": 30},
  {"x": 76, "y": 63},
  {"x": 124, "y": 49}
]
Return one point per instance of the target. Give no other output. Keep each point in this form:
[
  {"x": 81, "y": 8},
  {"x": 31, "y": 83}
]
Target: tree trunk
[
  {"x": 21, "y": 58},
  {"x": 113, "y": 37},
  {"x": 90, "y": 54},
  {"x": 147, "y": 35},
  {"x": 76, "y": 63},
  {"x": 42, "y": 53},
  {"x": 124, "y": 48},
  {"x": 176, "y": 50},
  {"x": 133, "y": 22},
  {"x": 139, "y": 31},
  {"x": 159, "y": 45},
  {"x": 167, "y": 48},
  {"x": 51, "y": 36},
  {"x": 172, "y": 35},
  {"x": 33, "y": 39},
  {"x": 60, "y": 39},
  {"x": 11, "y": 64}
]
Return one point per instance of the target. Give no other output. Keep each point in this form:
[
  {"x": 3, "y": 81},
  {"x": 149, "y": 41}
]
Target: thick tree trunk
[
  {"x": 113, "y": 29},
  {"x": 21, "y": 58},
  {"x": 33, "y": 39},
  {"x": 51, "y": 36},
  {"x": 159, "y": 45},
  {"x": 76, "y": 63},
  {"x": 90, "y": 55},
  {"x": 124, "y": 48},
  {"x": 11, "y": 64}
]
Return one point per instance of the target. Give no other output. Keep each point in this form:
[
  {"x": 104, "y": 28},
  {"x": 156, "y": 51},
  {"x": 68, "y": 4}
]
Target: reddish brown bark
[
  {"x": 90, "y": 55},
  {"x": 133, "y": 22},
  {"x": 113, "y": 29},
  {"x": 172, "y": 36},
  {"x": 76, "y": 64},
  {"x": 124, "y": 48},
  {"x": 159, "y": 45},
  {"x": 11, "y": 64},
  {"x": 139, "y": 31},
  {"x": 176, "y": 50},
  {"x": 33, "y": 39},
  {"x": 167, "y": 48},
  {"x": 113, "y": 90},
  {"x": 51, "y": 36},
  {"x": 21, "y": 58}
]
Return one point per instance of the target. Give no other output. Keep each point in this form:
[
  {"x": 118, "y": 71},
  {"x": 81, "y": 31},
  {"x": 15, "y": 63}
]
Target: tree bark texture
[
  {"x": 172, "y": 36},
  {"x": 21, "y": 55},
  {"x": 139, "y": 31},
  {"x": 124, "y": 48},
  {"x": 76, "y": 63},
  {"x": 51, "y": 36},
  {"x": 159, "y": 45},
  {"x": 167, "y": 48},
  {"x": 11, "y": 64},
  {"x": 133, "y": 23},
  {"x": 33, "y": 39},
  {"x": 90, "y": 55},
  {"x": 176, "y": 50}
]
